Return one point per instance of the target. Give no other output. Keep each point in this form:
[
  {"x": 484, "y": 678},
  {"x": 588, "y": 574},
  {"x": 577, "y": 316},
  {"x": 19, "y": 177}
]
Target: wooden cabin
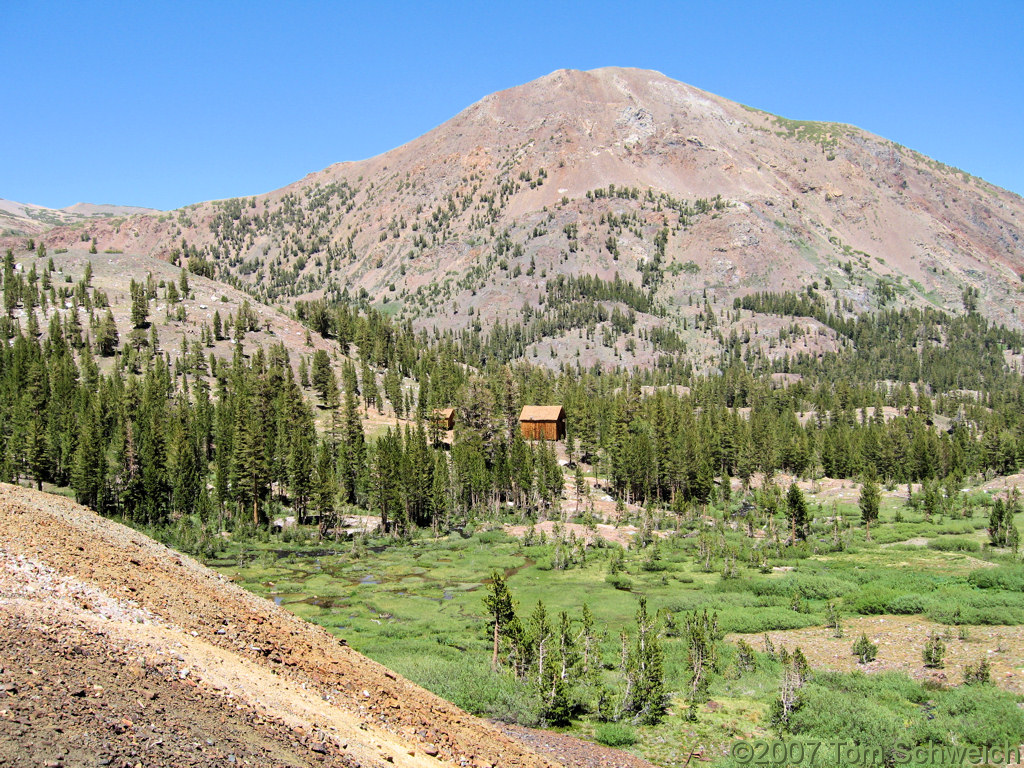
[
  {"x": 542, "y": 422},
  {"x": 443, "y": 418}
]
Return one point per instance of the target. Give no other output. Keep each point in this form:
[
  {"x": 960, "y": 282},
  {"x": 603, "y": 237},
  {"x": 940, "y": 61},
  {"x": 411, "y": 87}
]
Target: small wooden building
[
  {"x": 443, "y": 418},
  {"x": 542, "y": 422}
]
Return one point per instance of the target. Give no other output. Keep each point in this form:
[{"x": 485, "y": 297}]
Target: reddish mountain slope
[{"x": 613, "y": 171}]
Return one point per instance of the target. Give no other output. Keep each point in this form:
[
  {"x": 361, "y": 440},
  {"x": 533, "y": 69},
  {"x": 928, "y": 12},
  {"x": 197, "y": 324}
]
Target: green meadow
[{"x": 417, "y": 607}]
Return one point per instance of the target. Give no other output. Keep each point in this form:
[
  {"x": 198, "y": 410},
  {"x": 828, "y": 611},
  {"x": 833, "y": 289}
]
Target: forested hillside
[{"x": 232, "y": 439}]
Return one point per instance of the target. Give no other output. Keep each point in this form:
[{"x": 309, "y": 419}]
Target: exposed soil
[
  {"x": 825, "y": 490},
  {"x": 1005, "y": 483},
  {"x": 572, "y": 752},
  {"x": 900, "y": 640},
  {"x": 69, "y": 696},
  {"x": 616, "y": 534},
  {"x": 86, "y": 602}
]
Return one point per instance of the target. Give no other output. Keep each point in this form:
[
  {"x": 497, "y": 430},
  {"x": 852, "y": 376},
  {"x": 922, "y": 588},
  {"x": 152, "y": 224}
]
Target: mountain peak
[{"x": 624, "y": 174}]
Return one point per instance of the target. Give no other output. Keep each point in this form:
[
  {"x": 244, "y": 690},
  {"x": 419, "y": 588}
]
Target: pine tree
[
  {"x": 11, "y": 292},
  {"x": 368, "y": 385},
  {"x": 539, "y": 633},
  {"x": 502, "y": 609},
  {"x": 1002, "y": 529},
  {"x": 248, "y": 470},
  {"x": 568, "y": 652},
  {"x": 349, "y": 378},
  {"x": 393, "y": 389},
  {"x": 834, "y": 619},
  {"x": 934, "y": 651},
  {"x": 703, "y": 482},
  {"x": 223, "y": 443},
  {"x": 87, "y": 469},
  {"x": 187, "y": 477},
  {"x": 385, "y": 495},
  {"x": 869, "y": 503},
  {"x": 644, "y": 697},
  {"x": 106, "y": 335},
  {"x": 557, "y": 703},
  {"x": 865, "y": 650},
  {"x": 33, "y": 436},
  {"x": 300, "y": 460},
  {"x": 325, "y": 489},
  {"x": 353, "y": 463},
  {"x": 701, "y": 634},
  {"x": 140, "y": 305},
  {"x": 979, "y": 673},
  {"x": 152, "y": 421},
  {"x": 746, "y": 661},
  {"x": 322, "y": 377},
  {"x": 796, "y": 511},
  {"x": 794, "y": 675},
  {"x": 440, "y": 495}
]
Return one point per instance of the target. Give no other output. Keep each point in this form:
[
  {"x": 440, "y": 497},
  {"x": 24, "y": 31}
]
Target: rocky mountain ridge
[{"x": 615, "y": 173}]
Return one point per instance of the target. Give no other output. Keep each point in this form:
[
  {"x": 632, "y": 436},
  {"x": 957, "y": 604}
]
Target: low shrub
[
  {"x": 765, "y": 620},
  {"x": 865, "y": 650},
  {"x": 470, "y": 683},
  {"x": 846, "y": 716},
  {"x": 1009, "y": 577},
  {"x": 934, "y": 651},
  {"x": 872, "y": 600},
  {"x": 887, "y": 708},
  {"x": 615, "y": 734},
  {"x": 907, "y": 605},
  {"x": 807, "y": 586},
  {"x": 955, "y": 544},
  {"x": 979, "y": 714},
  {"x": 494, "y": 537},
  {"x": 619, "y": 581},
  {"x": 978, "y": 674},
  {"x": 958, "y": 614}
]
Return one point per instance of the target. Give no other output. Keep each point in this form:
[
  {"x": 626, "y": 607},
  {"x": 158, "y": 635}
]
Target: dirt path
[{"x": 264, "y": 685}]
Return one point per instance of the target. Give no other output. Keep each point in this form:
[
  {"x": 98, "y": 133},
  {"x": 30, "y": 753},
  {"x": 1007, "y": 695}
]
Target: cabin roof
[
  {"x": 541, "y": 413},
  {"x": 445, "y": 413}
]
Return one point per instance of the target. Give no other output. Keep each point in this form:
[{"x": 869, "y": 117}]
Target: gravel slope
[{"x": 190, "y": 669}]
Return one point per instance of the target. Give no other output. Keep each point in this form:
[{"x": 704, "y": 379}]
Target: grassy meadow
[{"x": 417, "y": 607}]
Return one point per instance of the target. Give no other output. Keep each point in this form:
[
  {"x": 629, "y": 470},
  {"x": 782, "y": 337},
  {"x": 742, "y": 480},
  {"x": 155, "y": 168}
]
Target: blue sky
[{"x": 164, "y": 104}]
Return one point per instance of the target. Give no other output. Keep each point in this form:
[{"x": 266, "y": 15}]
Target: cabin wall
[
  {"x": 444, "y": 423},
  {"x": 542, "y": 430}
]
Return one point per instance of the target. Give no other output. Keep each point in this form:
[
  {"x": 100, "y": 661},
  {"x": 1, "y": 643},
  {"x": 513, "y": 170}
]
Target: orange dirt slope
[{"x": 118, "y": 650}]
